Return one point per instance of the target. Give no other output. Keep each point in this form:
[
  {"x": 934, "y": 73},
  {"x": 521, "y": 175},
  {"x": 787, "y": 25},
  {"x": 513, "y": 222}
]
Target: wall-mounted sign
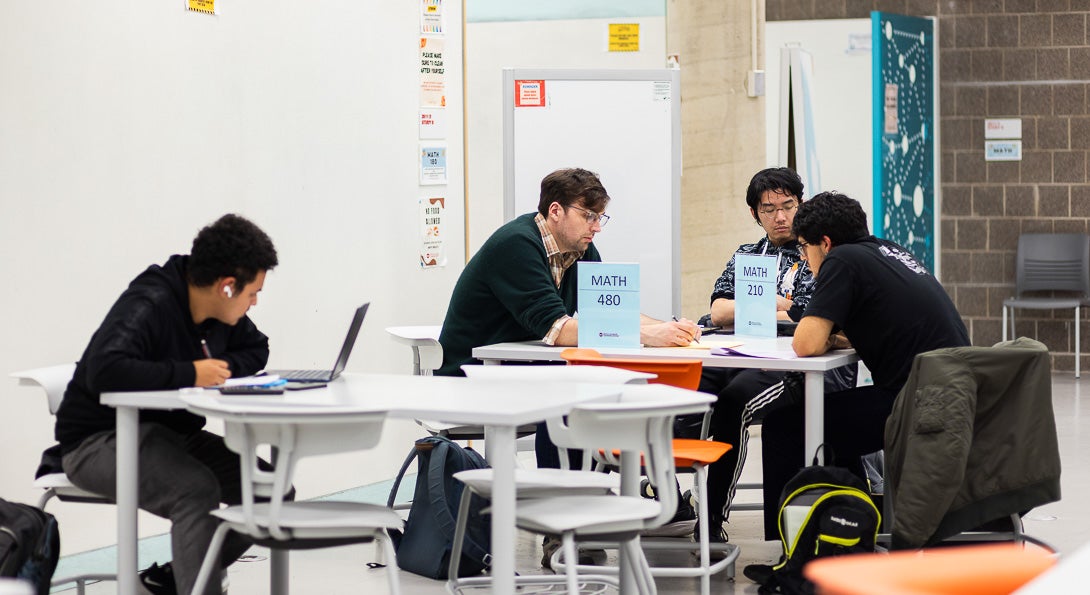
[
  {"x": 624, "y": 37},
  {"x": 1002, "y": 150},
  {"x": 1003, "y": 128}
]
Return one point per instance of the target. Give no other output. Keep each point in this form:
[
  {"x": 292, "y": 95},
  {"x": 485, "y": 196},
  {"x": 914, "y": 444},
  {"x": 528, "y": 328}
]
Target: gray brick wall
[{"x": 1027, "y": 59}]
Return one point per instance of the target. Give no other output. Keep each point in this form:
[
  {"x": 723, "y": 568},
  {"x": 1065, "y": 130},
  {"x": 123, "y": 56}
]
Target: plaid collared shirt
[{"x": 558, "y": 264}]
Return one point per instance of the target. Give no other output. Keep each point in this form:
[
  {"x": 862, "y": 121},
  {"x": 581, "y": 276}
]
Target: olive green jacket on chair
[{"x": 971, "y": 438}]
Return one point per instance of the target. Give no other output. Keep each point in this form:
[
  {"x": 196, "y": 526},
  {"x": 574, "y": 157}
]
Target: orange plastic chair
[
  {"x": 690, "y": 456},
  {"x": 993, "y": 569}
]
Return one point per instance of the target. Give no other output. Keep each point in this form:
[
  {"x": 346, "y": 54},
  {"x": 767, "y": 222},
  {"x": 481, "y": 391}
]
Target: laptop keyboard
[{"x": 304, "y": 374}]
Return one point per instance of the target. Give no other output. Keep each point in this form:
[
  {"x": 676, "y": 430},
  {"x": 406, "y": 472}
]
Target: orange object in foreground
[{"x": 993, "y": 569}]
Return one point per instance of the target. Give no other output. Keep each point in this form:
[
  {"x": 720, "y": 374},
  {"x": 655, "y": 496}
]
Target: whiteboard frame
[{"x": 653, "y": 303}]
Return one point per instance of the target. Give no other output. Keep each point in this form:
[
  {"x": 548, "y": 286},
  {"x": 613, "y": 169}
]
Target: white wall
[
  {"x": 493, "y": 46},
  {"x": 842, "y": 101},
  {"x": 124, "y": 127}
]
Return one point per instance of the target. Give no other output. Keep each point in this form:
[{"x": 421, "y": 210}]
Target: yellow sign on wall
[
  {"x": 624, "y": 37},
  {"x": 205, "y": 6}
]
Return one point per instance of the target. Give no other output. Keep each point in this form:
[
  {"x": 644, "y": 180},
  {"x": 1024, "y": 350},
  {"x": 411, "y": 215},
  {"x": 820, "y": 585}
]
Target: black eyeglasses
[
  {"x": 771, "y": 210},
  {"x": 592, "y": 217}
]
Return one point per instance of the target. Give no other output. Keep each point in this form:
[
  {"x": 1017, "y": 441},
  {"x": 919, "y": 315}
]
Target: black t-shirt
[{"x": 887, "y": 304}]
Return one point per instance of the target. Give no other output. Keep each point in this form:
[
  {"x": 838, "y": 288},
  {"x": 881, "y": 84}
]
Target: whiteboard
[{"x": 625, "y": 125}]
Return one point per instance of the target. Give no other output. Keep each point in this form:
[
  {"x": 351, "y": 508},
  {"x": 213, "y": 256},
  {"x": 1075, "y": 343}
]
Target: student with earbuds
[{"x": 177, "y": 325}]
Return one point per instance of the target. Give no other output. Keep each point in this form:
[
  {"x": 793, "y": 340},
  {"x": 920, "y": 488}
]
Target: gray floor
[{"x": 1064, "y": 524}]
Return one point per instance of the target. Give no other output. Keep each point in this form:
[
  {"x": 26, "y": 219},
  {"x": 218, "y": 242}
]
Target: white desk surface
[
  {"x": 450, "y": 399},
  {"x": 538, "y": 351}
]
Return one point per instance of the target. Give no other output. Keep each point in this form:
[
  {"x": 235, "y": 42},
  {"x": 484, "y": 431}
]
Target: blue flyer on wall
[
  {"x": 755, "y": 295},
  {"x": 609, "y": 305}
]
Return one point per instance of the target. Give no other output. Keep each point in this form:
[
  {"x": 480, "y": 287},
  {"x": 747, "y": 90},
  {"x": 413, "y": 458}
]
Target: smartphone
[
  {"x": 252, "y": 390},
  {"x": 304, "y": 385}
]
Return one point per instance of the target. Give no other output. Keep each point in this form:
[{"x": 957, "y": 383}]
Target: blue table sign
[
  {"x": 755, "y": 295},
  {"x": 609, "y": 305}
]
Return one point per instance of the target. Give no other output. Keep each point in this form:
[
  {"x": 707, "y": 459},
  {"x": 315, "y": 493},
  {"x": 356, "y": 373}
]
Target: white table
[
  {"x": 500, "y": 406},
  {"x": 813, "y": 367}
]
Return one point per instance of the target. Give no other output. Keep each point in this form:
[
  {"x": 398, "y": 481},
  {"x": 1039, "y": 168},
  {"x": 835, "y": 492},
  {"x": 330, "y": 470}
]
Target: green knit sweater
[{"x": 506, "y": 293}]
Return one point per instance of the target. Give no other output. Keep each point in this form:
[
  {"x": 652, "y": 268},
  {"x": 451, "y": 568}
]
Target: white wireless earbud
[{"x": 227, "y": 290}]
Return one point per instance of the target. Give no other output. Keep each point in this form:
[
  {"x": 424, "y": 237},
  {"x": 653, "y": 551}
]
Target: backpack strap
[
  {"x": 401, "y": 475},
  {"x": 437, "y": 492}
]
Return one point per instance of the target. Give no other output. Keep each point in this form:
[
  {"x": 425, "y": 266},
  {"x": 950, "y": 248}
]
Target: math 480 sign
[{"x": 609, "y": 305}]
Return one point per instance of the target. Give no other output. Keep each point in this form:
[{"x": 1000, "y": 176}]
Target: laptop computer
[{"x": 342, "y": 358}]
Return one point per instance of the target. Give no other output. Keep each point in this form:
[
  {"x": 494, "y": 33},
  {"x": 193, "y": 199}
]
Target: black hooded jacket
[{"x": 148, "y": 341}]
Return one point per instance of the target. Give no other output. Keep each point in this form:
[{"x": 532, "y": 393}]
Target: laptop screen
[{"x": 350, "y": 340}]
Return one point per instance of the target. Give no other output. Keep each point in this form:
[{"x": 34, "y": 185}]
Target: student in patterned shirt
[{"x": 745, "y": 395}]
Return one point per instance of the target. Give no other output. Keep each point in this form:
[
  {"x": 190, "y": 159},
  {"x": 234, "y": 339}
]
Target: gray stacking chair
[{"x": 1051, "y": 262}]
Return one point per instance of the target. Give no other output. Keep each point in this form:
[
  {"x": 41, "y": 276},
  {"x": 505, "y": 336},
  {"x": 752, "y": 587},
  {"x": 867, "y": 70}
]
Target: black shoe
[
  {"x": 758, "y": 573},
  {"x": 159, "y": 580},
  {"x": 551, "y": 543},
  {"x": 716, "y": 534},
  {"x": 680, "y": 526}
]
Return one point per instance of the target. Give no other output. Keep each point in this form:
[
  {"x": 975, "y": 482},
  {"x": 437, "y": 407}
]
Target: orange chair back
[
  {"x": 994, "y": 569},
  {"x": 683, "y": 373}
]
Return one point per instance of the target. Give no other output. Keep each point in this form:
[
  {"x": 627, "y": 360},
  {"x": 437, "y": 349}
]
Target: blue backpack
[
  {"x": 29, "y": 544},
  {"x": 425, "y": 547}
]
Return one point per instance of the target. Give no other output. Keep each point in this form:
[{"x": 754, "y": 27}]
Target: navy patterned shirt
[{"x": 794, "y": 281}]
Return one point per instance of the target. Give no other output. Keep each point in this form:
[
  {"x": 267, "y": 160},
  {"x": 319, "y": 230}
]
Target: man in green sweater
[{"x": 521, "y": 285}]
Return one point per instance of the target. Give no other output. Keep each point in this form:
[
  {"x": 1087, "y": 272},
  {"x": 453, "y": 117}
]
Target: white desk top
[
  {"x": 538, "y": 351},
  {"x": 453, "y": 400}
]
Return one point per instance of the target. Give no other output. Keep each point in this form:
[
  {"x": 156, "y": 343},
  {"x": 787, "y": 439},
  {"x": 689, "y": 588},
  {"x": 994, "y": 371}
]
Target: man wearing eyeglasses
[
  {"x": 521, "y": 285},
  {"x": 745, "y": 395}
]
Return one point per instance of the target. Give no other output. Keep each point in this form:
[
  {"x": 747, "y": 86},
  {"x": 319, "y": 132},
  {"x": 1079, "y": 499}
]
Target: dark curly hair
[
  {"x": 567, "y": 186},
  {"x": 231, "y": 247},
  {"x": 830, "y": 214},
  {"x": 781, "y": 180}
]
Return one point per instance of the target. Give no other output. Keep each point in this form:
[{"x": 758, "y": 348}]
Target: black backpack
[
  {"x": 824, "y": 511},
  {"x": 425, "y": 547},
  {"x": 29, "y": 544}
]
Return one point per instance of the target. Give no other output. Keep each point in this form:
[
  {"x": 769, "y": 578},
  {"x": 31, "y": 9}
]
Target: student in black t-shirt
[{"x": 872, "y": 295}]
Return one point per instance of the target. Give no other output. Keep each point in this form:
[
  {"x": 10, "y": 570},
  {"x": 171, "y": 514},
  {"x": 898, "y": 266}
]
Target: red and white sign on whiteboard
[{"x": 529, "y": 93}]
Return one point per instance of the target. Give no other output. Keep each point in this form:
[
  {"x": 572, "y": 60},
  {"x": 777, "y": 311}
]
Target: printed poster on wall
[
  {"x": 432, "y": 252},
  {"x": 431, "y": 17},
  {"x": 904, "y": 138},
  {"x": 205, "y": 6},
  {"x": 433, "y": 164},
  {"x": 433, "y": 86},
  {"x": 530, "y": 93},
  {"x": 624, "y": 37}
]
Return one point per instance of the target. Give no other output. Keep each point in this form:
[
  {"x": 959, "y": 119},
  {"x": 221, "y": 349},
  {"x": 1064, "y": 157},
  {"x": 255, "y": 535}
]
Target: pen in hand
[
  {"x": 695, "y": 338},
  {"x": 205, "y": 349}
]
